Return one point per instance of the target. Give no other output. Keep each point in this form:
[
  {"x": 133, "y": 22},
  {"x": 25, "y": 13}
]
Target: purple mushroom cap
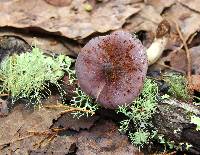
[{"x": 112, "y": 69}]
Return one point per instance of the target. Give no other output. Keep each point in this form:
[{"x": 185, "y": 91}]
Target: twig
[
  {"x": 77, "y": 109},
  {"x": 38, "y": 144},
  {"x": 50, "y": 136},
  {"x": 172, "y": 68},
  {"x": 1, "y": 95},
  {"x": 43, "y": 133},
  {"x": 50, "y": 139},
  {"x": 178, "y": 48},
  {"x": 191, "y": 38},
  {"x": 189, "y": 66},
  {"x": 69, "y": 109},
  {"x": 165, "y": 153},
  {"x": 16, "y": 140}
]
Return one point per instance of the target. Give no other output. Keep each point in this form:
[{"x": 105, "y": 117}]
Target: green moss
[
  {"x": 177, "y": 86},
  {"x": 28, "y": 74}
]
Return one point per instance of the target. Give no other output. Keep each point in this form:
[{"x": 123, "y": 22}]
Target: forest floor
[{"x": 58, "y": 26}]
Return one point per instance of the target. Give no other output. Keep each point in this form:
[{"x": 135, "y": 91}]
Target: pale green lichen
[
  {"x": 196, "y": 120},
  {"x": 84, "y": 102},
  {"x": 165, "y": 142},
  {"x": 139, "y": 137},
  {"x": 139, "y": 114},
  {"x": 28, "y": 74}
]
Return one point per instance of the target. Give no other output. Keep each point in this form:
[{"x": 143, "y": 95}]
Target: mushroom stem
[{"x": 156, "y": 49}]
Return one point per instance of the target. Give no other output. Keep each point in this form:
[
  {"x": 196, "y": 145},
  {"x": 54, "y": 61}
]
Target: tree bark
[{"x": 173, "y": 120}]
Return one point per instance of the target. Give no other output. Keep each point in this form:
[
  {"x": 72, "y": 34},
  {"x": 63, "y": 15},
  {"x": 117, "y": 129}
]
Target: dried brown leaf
[
  {"x": 105, "y": 139},
  {"x": 184, "y": 17},
  {"x": 59, "y": 2},
  {"x": 195, "y": 51},
  {"x": 192, "y": 4},
  {"x": 47, "y": 43},
  {"x": 177, "y": 60},
  {"x": 10, "y": 125},
  {"x": 18, "y": 123},
  {"x": 147, "y": 19},
  {"x": 11, "y": 44},
  {"x": 67, "y": 121},
  {"x": 160, "y": 5},
  {"x": 3, "y": 108},
  {"x": 196, "y": 82},
  {"x": 102, "y": 138},
  {"x": 60, "y": 145},
  {"x": 70, "y": 21}
]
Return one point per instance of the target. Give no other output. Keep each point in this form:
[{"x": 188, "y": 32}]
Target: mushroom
[
  {"x": 156, "y": 49},
  {"x": 112, "y": 69}
]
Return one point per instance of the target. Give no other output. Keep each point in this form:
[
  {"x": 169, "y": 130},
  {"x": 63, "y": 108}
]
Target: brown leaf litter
[
  {"x": 70, "y": 21},
  {"x": 102, "y": 138},
  {"x": 64, "y": 28}
]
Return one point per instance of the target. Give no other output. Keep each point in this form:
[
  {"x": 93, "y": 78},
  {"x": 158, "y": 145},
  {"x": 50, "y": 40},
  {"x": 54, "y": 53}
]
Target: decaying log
[{"x": 174, "y": 122}]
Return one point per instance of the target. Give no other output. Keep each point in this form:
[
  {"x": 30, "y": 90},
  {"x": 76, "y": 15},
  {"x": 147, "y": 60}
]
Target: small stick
[
  {"x": 172, "y": 68},
  {"x": 16, "y": 140},
  {"x": 38, "y": 144},
  {"x": 43, "y": 133},
  {"x": 1, "y": 95},
  {"x": 78, "y": 109},
  {"x": 50, "y": 139},
  {"x": 192, "y": 37},
  {"x": 189, "y": 66},
  {"x": 50, "y": 136},
  {"x": 69, "y": 109}
]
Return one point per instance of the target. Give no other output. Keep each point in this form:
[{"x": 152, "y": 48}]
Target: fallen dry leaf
[
  {"x": 59, "y": 2},
  {"x": 70, "y": 21},
  {"x": 195, "y": 51},
  {"x": 48, "y": 44},
  {"x": 192, "y": 4},
  {"x": 184, "y": 17},
  {"x": 160, "y": 5},
  {"x": 104, "y": 139},
  {"x": 60, "y": 145},
  {"x": 196, "y": 82},
  {"x": 19, "y": 122},
  {"x": 10, "y": 125},
  {"x": 3, "y": 108},
  {"x": 10, "y": 45},
  {"x": 147, "y": 19},
  {"x": 67, "y": 121},
  {"x": 177, "y": 60}
]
